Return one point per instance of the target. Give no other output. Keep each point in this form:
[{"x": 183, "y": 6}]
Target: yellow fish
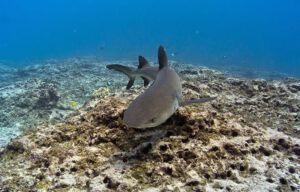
[{"x": 73, "y": 103}]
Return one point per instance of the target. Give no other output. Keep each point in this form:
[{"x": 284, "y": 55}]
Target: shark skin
[{"x": 160, "y": 100}]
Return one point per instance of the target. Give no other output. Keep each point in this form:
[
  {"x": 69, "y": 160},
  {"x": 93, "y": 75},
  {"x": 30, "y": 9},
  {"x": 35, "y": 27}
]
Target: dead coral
[{"x": 218, "y": 145}]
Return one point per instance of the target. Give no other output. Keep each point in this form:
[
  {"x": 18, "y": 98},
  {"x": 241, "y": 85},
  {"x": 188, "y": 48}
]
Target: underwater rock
[
  {"x": 47, "y": 98},
  {"x": 15, "y": 147},
  {"x": 111, "y": 183},
  {"x": 294, "y": 87},
  {"x": 233, "y": 143},
  {"x": 66, "y": 180},
  {"x": 297, "y": 151},
  {"x": 46, "y": 92}
]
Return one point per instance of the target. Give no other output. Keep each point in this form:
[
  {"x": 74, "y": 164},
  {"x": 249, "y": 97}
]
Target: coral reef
[
  {"x": 245, "y": 140},
  {"x": 45, "y": 92},
  {"x": 6, "y": 74}
]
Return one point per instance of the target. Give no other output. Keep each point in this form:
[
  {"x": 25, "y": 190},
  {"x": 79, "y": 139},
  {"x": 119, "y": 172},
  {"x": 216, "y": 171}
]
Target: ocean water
[
  {"x": 67, "y": 122},
  {"x": 244, "y": 35}
]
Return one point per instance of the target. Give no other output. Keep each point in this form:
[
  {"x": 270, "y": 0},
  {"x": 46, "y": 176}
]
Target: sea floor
[
  {"x": 61, "y": 130},
  {"x": 48, "y": 92}
]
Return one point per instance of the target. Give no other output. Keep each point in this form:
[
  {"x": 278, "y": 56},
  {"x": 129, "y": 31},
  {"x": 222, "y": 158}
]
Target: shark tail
[
  {"x": 126, "y": 70},
  {"x": 144, "y": 63},
  {"x": 192, "y": 101},
  {"x": 130, "y": 71}
]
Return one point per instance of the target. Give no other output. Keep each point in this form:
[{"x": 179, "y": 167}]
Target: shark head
[{"x": 153, "y": 116}]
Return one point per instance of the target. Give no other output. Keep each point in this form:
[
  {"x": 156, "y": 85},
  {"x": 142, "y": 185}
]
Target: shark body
[{"x": 160, "y": 100}]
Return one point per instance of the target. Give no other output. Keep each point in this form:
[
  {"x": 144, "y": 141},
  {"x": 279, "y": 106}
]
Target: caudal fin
[
  {"x": 126, "y": 70},
  {"x": 142, "y": 64},
  {"x": 201, "y": 100}
]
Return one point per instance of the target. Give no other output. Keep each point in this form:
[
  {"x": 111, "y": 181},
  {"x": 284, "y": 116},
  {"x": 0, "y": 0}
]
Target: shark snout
[
  {"x": 138, "y": 120},
  {"x": 143, "y": 120},
  {"x": 128, "y": 120},
  {"x": 130, "y": 124}
]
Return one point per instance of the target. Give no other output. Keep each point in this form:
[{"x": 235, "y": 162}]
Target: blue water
[{"x": 257, "y": 34}]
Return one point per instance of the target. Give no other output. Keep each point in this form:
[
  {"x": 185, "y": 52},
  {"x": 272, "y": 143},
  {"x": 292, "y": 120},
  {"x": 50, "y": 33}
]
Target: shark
[
  {"x": 144, "y": 71},
  {"x": 160, "y": 100}
]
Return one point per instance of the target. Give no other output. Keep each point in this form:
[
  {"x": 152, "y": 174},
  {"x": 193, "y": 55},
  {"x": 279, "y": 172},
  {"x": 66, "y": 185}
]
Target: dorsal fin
[
  {"x": 143, "y": 62},
  {"x": 162, "y": 57}
]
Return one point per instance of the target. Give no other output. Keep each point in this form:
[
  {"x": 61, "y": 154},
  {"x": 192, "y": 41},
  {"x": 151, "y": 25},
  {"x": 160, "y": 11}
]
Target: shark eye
[{"x": 152, "y": 120}]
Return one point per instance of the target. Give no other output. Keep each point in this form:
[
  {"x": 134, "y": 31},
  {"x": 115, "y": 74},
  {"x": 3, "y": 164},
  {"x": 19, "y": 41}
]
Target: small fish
[
  {"x": 144, "y": 70},
  {"x": 73, "y": 104},
  {"x": 160, "y": 100},
  {"x": 174, "y": 54}
]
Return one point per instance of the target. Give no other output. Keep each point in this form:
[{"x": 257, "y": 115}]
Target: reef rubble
[
  {"x": 245, "y": 140},
  {"x": 49, "y": 92}
]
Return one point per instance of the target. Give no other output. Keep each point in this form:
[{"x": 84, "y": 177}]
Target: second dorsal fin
[{"x": 143, "y": 62}]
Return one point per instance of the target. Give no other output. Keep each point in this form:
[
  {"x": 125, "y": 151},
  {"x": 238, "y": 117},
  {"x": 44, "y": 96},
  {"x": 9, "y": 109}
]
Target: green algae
[
  {"x": 139, "y": 170},
  {"x": 43, "y": 185}
]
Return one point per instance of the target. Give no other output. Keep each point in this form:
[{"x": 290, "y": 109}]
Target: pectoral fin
[
  {"x": 201, "y": 100},
  {"x": 130, "y": 83}
]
